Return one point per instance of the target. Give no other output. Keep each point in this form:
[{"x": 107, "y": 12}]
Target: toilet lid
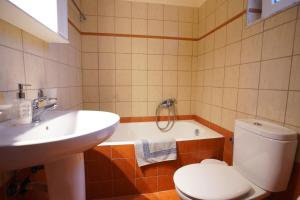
[{"x": 210, "y": 181}]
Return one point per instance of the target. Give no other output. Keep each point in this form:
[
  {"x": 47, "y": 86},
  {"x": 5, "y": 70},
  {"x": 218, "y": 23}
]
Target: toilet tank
[{"x": 264, "y": 153}]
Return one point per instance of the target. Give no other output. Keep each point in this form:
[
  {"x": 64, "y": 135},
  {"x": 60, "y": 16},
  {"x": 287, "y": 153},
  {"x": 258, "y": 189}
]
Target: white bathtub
[{"x": 183, "y": 130}]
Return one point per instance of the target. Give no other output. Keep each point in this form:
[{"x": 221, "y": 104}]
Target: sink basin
[{"x": 57, "y": 142}]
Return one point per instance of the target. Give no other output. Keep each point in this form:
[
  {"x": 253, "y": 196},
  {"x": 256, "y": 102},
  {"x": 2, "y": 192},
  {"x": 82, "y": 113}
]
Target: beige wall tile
[
  {"x": 185, "y": 48},
  {"x": 107, "y": 94},
  {"x": 107, "y": 61},
  {"x": 89, "y": 7},
  {"x": 233, "y": 54},
  {"x": 230, "y": 98},
  {"x": 139, "y": 26},
  {"x": 220, "y": 37},
  {"x": 170, "y": 62},
  {"x": 123, "y": 45},
  {"x": 106, "y": 24},
  {"x": 123, "y": 25},
  {"x": 91, "y": 106},
  {"x": 234, "y": 7},
  {"x": 185, "y": 30},
  {"x": 170, "y": 78},
  {"x": 184, "y": 78},
  {"x": 89, "y": 60},
  {"x": 155, "y": 62},
  {"x": 218, "y": 77},
  {"x": 275, "y": 74},
  {"x": 297, "y": 38},
  {"x": 139, "y": 61},
  {"x": 184, "y": 93},
  {"x": 139, "y": 93},
  {"x": 249, "y": 75},
  {"x": 228, "y": 118},
  {"x": 231, "y": 76},
  {"x": 281, "y": 18},
  {"x": 106, "y": 7},
  {"x": 186, "y": 14},
  {"x": 155, "y": 27},
  {"x": 139, "y": 77},
  {"x": 34, "y": 71},
  {"x": 139, "y": 109},
  {"x": 123, "y": 93},
  {"x": 90, "y": 94},
  {"x": 217, "y": 96},
  {"x": 170, "y": 47},
  {"x": 123, "y": 8},
  {"x": 170, "y": 13},
  {"x": 155, "y": 11},
  {"x": 221, "y": 14},
  {"x": 278, "y": 42},
  {"x": 219, "y": 57},
  {"x": 154, "y": 77},
  {"x": 89, "y": 43},
  {"x": 108, "y": 106},
  {"x": 251, "y": 49},
  {"x": 184, "y": 107},
  {"x": 90, "y": 24},
  {"x": 295, "y": 74},
  {"x": 247, "y": 101},
  {"x": 155, "y": 46},
  {"x": 253, "y": 29},
  {"x": 10, "y": 36},
  {"x": 90, "y": 77},
  {"x": 272, "y": 104},
  {"x": 106, "y": 44},
  {"x": 139, "y": 10},
  {"x": 33, "y": 44},
  {"x": 124, "y": 109},
  {"x": 123, "y": 61},
  {"x": 184, "y": 63},
  {"x": 107, "y": 77},
  {"x": 169, "y": 92},
  {"x": 123, "y": 77},
  {"x": 139, "y": 45},
  {"x": 11, "y": 69},
  {"x": 293, "y": 109},
  {"x": 171, "y": 28},
  {"x": 234, "y": 31},
  {"x": 154, "y": 93}
]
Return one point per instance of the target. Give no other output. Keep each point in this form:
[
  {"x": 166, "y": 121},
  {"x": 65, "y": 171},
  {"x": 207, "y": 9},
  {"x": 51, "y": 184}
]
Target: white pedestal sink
[{"x": 57, "y": 142}]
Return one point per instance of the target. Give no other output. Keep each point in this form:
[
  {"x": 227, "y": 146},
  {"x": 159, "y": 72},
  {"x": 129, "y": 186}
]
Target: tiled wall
[
  {"x": 247, "y": 71},
  {"x": 27, "y": 59},
  {"x": 130, "y": 75}
]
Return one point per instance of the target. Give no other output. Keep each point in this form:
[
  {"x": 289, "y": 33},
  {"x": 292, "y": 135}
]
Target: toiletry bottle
[{"x": 23, "y": 107}]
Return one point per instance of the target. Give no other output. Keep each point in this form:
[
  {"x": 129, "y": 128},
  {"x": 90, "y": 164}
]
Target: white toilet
[{"x": 263, "y": 158}]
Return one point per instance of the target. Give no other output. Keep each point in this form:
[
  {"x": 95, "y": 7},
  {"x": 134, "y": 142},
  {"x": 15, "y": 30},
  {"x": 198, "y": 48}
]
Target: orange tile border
[{"x": 161, "y": 37}]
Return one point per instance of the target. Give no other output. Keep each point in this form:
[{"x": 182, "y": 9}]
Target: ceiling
[{"x": 190, "y": 3}]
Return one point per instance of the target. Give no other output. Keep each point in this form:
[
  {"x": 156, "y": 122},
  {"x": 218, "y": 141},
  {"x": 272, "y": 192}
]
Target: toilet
[{"x": 263, "y": 158}]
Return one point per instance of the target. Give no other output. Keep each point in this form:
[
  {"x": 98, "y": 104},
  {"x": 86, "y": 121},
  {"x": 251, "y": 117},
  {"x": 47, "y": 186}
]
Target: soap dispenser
[{"x": 23, "y": 107}]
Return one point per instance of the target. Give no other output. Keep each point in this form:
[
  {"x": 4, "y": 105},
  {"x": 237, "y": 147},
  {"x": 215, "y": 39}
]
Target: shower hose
[{"x": 168, "y": 104}]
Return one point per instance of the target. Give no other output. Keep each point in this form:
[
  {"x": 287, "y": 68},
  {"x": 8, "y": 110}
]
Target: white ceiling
[{"x": 190, "y": 3}]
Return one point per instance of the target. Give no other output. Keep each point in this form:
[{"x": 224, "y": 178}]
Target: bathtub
[
  {"x": 183, "y": 130},
  {"x": 111, "y": 168}
]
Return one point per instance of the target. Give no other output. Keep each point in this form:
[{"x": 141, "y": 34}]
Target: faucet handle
[{"x": 40, "y": 93}]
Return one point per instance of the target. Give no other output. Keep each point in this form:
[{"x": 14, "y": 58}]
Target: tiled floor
[{"x": 165, "y": 195}]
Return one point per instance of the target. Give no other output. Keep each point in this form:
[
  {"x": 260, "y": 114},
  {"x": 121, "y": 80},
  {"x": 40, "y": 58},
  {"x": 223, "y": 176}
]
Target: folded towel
[{"x": 154, "y": 151}]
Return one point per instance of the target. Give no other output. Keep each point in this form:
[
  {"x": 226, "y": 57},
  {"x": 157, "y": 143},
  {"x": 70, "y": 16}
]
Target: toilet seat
[{"x": 210, "y": 181}]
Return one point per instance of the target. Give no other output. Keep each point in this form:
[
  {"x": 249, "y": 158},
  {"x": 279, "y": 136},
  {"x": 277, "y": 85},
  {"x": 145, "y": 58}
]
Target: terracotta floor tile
[{"x": 168, "y": 195}]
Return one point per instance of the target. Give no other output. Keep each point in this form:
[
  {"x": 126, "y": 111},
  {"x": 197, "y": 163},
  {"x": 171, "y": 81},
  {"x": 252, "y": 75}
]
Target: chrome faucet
[{"x": 41, "y": 104}]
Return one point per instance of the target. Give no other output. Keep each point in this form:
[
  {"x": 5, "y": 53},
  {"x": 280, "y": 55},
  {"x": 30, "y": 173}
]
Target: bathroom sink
[
  {"x": 61, "y": 133},
  {"x": 57, "y": 143}
]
